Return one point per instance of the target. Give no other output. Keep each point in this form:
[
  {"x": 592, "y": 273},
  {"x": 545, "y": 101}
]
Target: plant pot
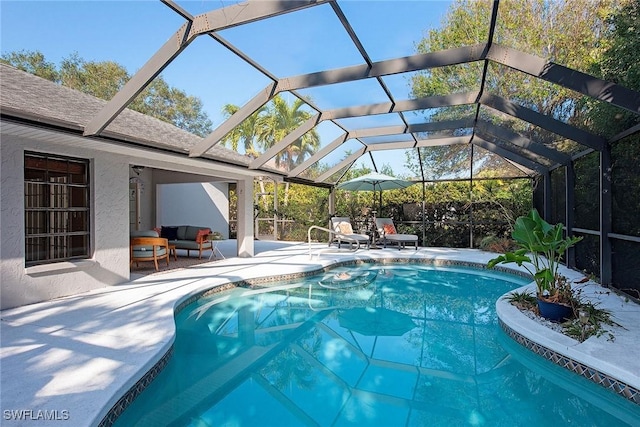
[{"x": 554, "y": 311}]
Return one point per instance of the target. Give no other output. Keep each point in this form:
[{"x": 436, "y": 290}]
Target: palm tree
[
  {"x": 246, "y": 132},
  {"x": 269, "y": 125},
  {"x": 280, "y": 120}
]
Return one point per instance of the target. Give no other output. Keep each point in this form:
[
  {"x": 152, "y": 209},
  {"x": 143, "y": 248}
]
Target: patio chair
[
  {"x": 149, "y": 249},
  {"x": 342, "y": 225},
  {"x": 387, "y": 230}
]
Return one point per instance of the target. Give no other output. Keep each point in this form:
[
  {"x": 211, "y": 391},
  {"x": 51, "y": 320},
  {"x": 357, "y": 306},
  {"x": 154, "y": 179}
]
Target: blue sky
[{"x": 130, "y": 32}]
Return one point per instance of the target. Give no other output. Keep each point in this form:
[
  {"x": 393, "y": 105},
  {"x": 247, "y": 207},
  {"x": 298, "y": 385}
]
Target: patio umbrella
[
  {"x": 376, "y": 321},
  {"x": 375, "y": 182}
]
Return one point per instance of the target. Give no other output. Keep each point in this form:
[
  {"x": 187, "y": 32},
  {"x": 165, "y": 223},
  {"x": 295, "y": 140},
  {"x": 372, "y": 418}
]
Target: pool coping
[{"x": 141, "y": 348}]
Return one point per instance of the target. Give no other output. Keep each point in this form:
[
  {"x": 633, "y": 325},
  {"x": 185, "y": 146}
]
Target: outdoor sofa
[{"x": 188, "y": 237}]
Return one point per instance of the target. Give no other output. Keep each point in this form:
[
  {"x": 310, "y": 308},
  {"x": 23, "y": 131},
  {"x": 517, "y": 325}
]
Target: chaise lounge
[
  {"x": 387, "y": 230},
  {"x": 342, "y": 225}
]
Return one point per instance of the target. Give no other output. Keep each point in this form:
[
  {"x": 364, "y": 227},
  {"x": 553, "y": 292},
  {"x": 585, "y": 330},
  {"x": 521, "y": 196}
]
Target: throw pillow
[
  {"x": 202, "y": 234},
  {"x": 169, "y": 233},
  {"x": 345, "y": 228},
  {"x": 389, "y": 229}
]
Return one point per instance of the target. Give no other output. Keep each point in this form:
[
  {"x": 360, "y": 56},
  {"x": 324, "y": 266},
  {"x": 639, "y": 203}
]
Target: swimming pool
[{"x": 364, "y": 345}]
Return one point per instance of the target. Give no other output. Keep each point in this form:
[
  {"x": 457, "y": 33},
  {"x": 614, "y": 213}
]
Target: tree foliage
[
  {"x": 280, "y": 119},
  {"x": 33, "y": 63},
  {"x": 104, "y": 79},
  {"x": 566, "y": 32},
  {"x": 246, "y": 133},
  {"x": 619, "y": 59},
  {"x": 269, "y": 125}
]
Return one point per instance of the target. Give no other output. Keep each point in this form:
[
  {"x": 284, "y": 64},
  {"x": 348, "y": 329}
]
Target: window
[{"x": 56, "y": 211}]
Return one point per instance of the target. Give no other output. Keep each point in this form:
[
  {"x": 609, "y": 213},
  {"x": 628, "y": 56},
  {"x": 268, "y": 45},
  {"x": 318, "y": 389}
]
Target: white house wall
[
  {"x": 202, "y": 204},
  {"x": 109, "y": 264}
]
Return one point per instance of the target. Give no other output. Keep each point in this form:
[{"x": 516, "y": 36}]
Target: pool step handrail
[{"x": 332, "y": 234}]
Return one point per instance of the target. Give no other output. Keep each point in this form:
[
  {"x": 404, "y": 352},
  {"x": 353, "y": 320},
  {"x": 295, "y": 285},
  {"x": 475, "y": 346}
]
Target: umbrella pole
[{"x": 374, "y": 227}]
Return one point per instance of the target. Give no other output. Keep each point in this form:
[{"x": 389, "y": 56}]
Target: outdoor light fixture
[{"x": 137, "y": 169}]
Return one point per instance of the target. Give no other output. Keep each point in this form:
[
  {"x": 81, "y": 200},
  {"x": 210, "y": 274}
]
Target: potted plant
[
  {"x": 541, "y": 247},
  {"x": 215, "y": 235}
]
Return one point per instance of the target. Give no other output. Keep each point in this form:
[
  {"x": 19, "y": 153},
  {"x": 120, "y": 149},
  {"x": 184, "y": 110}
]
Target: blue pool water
[{"x": 373, "y": 345}]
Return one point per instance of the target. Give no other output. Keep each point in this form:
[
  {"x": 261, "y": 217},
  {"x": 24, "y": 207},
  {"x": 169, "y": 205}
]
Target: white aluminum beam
[
  {"x": 415, "y": 128},
  {"x": 401, "y": 106},
  {"x": 398, "y": 145}
]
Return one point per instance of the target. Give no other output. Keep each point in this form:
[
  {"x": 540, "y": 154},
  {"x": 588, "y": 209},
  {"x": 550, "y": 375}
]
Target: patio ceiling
[{"x": 359, "y": 99}]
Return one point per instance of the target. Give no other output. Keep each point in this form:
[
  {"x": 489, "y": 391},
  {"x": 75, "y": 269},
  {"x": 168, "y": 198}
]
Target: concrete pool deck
[{"x": 68, "y": 361}]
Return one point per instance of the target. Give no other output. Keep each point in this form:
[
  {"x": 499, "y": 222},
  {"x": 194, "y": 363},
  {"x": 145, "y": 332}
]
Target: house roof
[{"x": 29, "y": 98}]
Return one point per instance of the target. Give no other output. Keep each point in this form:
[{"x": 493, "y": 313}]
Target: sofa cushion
[
  {"x": 169, "y": 233},
  {"x": 147, "y": 252},
  {"x": 192, "y": 232},
  {"x": 186, "y": 244},
  {"x": 181, "y": 231},
  {"x": 202, "y": 235}
]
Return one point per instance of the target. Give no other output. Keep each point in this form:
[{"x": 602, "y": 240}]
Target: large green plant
[{"x": 542, "y": 246}]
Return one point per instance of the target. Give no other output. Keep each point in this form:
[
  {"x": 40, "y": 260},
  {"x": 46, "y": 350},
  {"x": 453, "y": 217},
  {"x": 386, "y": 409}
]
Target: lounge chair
[
  {"x": 387, "y": 230},
  {"x": 342, "y": 225},
  {"x": 149, "y": 249}
]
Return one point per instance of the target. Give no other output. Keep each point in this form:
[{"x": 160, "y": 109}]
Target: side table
[{"x": 215, "y": 250}]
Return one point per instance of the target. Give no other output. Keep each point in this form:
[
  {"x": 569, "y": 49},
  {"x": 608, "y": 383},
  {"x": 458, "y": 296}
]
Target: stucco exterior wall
[{"x": 109, "y": 263}]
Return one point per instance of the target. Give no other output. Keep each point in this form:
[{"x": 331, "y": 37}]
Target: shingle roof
[{"x": 26, "y": 96}]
